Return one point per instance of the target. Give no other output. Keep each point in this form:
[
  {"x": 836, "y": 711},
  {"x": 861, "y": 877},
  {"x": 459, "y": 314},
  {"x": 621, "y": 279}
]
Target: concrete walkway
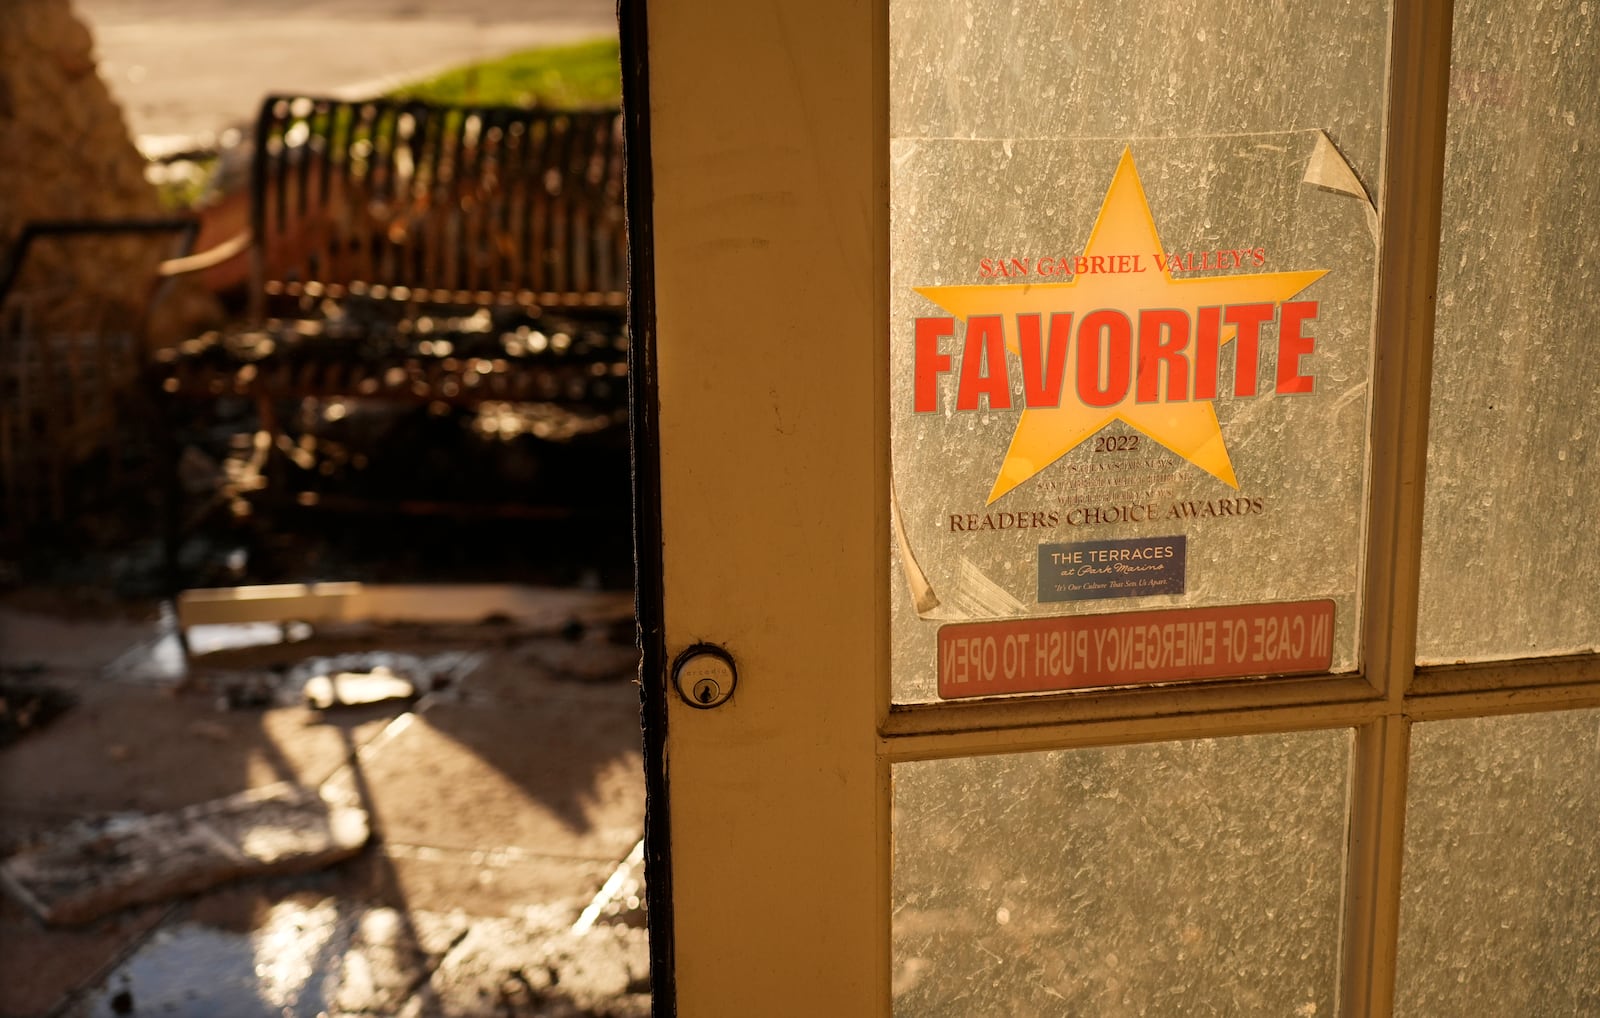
[
  {"x": 187, "y": 69},
  {"x": 506, "y": 806}
]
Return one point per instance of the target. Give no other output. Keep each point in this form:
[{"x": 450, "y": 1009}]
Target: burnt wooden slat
[
  {"x": 558, "y": 248},
  {"x": 537, "y": 197},
  {"x": 423, "y": 154},
  {"x": 473, "y": 194},
  {"x": 429, "y": 234},
  {"x": 513, "y": 203},
  {"x": 343, "y": 199},
  {"x": 302, "y": 113},
  {"x": 491, "y": 240},
  {"x": 393, "y": 200},
  {"x": 451, "y": 213}
]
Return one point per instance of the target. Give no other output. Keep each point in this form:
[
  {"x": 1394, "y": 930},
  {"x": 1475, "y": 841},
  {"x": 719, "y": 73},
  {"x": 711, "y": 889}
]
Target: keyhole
[{"x": 703, "y": 675}]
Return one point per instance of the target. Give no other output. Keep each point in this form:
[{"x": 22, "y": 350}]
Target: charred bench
[
  {"x": 457, "y": 260},
  {"x": 71, "y": 347}
]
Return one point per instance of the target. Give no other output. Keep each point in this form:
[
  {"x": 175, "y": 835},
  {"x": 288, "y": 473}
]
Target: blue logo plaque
[{"x": 1125, "y": 567}]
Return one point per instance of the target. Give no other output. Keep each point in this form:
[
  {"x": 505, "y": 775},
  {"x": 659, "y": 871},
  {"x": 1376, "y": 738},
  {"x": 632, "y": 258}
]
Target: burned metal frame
[
  {"x": 186, "y": 226},
  {"x": 15, "y": 512}
]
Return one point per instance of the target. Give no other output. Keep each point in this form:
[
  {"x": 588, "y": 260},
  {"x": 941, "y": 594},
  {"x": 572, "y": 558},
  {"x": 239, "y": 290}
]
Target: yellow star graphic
[{"x": 1124, "y": 227}]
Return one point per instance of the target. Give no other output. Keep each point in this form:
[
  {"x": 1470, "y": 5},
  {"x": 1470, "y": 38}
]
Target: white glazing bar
[{"x": 1409, "y": 207}]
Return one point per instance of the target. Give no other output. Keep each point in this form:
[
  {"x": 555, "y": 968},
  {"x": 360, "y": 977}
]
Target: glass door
[{"x": 1128, "y": 465}]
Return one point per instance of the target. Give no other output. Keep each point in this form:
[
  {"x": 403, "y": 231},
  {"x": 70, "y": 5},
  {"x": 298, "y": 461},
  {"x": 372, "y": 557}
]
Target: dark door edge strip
[{"x": 644, "y": 435}]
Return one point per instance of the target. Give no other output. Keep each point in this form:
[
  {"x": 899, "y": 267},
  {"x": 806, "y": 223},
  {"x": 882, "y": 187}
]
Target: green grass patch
[
  {"x": 576, "y": 75},
  {"x": 180, "y": 186}
]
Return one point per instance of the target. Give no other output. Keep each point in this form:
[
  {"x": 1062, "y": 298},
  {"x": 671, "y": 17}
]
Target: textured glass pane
[
  {"x": 1500, "y": 901},
  {"x": 1182, "y": 879},
  {"x": 1514, "y": 440},
  {"x": 1162, "y": 164}
]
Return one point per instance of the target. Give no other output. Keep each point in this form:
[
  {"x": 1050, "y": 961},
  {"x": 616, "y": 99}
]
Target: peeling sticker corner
[
  {"x": 922, "y": 596},
  {"x": 1328, "y": 169}
]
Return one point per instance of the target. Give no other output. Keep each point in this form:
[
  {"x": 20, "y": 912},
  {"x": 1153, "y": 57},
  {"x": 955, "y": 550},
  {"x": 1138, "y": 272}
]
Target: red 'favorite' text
[{"x": 1159, "y": 355}]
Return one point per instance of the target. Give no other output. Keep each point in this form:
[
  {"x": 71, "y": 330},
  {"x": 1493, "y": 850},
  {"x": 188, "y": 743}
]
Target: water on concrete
[{"x": 194, "y": 970}]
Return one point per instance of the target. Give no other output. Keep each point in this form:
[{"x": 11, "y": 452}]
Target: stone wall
[{"x": 65, "y": 154}]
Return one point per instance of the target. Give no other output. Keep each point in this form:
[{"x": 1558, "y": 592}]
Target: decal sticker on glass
[
  {"x": 1093, "y": 570},
  {"x": 1168, "y": 410},
  {"x": 1032, "y": 655},
  {"x": 1144, "y": 329}
]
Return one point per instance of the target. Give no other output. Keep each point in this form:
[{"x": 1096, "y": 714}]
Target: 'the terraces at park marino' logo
[{"x": 1147, "y": 343}]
